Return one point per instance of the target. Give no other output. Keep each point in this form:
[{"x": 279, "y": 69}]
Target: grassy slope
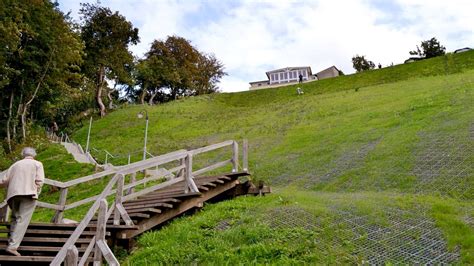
[{"x": 298, "y": 140}]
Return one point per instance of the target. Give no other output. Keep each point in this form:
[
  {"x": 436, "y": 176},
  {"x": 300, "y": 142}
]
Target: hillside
[{"x": 373, "y": 167}]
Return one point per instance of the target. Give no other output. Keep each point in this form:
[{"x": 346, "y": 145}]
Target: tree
[
  {"x": 429, "y": 48},
  {"x": 174, "y": 67},
  {"x": 361, "y": 64},
  {"x": 40, "y": 61},
  {"x": 107, "y": 36}
]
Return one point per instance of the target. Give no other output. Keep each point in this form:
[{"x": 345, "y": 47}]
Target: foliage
[
  {"x": 107, "y": 36},
  {"x": 361, "y": 64},
  {"x": 174, "y": 68},
  {"x": 429, "y": 48},
  {"x": 40, "y": 58}
]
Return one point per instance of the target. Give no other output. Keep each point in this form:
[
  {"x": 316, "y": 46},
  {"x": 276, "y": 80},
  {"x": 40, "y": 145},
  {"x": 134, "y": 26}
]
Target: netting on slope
[{"x": 405, "y": 237}]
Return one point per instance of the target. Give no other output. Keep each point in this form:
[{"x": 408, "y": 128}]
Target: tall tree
[
  {"x": 360, "y": 63},
  {"x": 40, "y": 60},
  {"x": 429, "y": 48},
  {"x": 107, "y": 36},
  {"x": 174, "y": 67}
]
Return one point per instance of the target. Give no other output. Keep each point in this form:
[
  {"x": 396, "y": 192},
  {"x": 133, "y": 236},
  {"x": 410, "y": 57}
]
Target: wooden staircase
[{"x": 131, "y": 214}]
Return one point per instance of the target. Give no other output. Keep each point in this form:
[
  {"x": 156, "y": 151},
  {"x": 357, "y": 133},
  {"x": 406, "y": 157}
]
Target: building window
[{"x": 285, "y": 75}]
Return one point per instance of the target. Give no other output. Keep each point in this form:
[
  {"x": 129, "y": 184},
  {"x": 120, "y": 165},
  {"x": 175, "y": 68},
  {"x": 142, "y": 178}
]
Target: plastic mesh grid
[
  {"x": 444, "y": 165},
  {"x": 407, "y": 236}
]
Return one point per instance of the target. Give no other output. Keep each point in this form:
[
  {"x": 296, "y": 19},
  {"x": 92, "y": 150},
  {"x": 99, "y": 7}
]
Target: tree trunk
[
  {"x": 10, "y": 109},
  {"x": 100, "y": 81},
  {"x": 153, "y": 95},
  {"x": 18, "y": 112},
  {"x": 142, "y": 95},
  {"x": 26, "y": 106},
  {"x": 111, "y": 102}
]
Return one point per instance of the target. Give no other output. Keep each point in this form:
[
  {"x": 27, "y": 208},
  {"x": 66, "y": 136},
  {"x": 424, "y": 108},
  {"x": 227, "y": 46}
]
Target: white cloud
[{"x": 252, "y": 37}]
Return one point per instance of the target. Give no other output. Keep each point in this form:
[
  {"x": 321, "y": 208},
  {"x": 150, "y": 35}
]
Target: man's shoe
[{"x": 12, "y": 251}]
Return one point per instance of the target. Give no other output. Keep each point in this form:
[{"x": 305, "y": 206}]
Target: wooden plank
[
  {"x": 51, "y": 232},
  {"x": 139, "y": 215},
  {"x": 4, "y": 258},
  {"x": 72, "y": 256},
  {"x": 146, "y": 205},
  {"x": 58, "y": 216},
  {"x": 152, "y": 162},
  {"x": 138, "y": 201},
  {"x": 150, "y": 189},
  {"x": 212, "y": 167},
  {"x": 153, "y": 210},
  {"x": 245, "y": 155},
  {"x": 84, "y": 223},
  {"x": 100, "y": 231},
  {"x": 46, "y": 240},
  {"x": 49, "y": 205},
  {"x": 212, "y": 147},
  {"x": 184, "y": 206},
  {"x": 235, "y": 157},
  {"x": 38, "y": 248},
  {"x": 188, "y": 175},
  {"x": 88, "y": 251},
  {"x": 174, "y": 195},
  {"x": 54, "y": 183},
  {"x": 123, "y": 214},
  {"x": 89, "y": 178},
  {"x": 107, "y": 253},
  {"x": 118, "y": 198}
]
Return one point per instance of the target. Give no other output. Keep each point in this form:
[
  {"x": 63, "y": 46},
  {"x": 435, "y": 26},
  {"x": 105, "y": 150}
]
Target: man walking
[{"x": 23, "y": 180}]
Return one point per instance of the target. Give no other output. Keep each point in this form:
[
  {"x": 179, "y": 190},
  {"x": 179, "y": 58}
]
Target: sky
[{"x": 253, "y": 37}]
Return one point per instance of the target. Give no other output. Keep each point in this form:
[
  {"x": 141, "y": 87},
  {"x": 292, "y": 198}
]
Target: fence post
[
  {"x": 58, "y": 216},
  {"x": 245, "y": 155},
  {"x": 118, "y": 199},
  {"x": 190, "y": 185},
  {"x": 100, "y": 231},
  {"x": 133, "y": 178},
  {"x": 235, "y": 157},
  {"x": 106, "y": 158},
  {"x": 72, "y": 256},
  {"x": 128, "y": 158}
]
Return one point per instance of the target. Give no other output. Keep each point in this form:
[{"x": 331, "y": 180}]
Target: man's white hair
[{"x": 28, "y": 151}]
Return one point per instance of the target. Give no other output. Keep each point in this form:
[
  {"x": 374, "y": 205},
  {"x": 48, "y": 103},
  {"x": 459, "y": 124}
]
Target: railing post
[
  {"x": 190, "y": 185},
  {"x": 118, "y": 199},
  {"x": 106, "y": 158},
  {"x": 235, "y": 157},
  {"x": 245, "y": 155},
  {"x": 58, "y": 216},
  {"x": 100, "y": 231},
  {"x": 133, "y": 178},
  {"x": 72, "y": 256},
  {"x": 128, "y": 158}
]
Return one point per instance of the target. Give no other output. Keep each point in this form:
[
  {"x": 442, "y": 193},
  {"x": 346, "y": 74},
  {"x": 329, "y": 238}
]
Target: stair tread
[{"x": 26, "y": 258}]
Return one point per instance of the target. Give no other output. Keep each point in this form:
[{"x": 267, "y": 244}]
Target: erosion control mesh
[
  {"x": 444, "y": 165},
  {"x": 404, "y": 237}
]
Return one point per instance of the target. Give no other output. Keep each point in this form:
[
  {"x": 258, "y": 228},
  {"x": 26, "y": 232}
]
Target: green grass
[{"x": 348, "y": 142}]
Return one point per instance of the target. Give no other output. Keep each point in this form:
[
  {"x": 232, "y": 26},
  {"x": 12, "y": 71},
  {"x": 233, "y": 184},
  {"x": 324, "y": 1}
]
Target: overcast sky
[{"x": 252, "y": 37}]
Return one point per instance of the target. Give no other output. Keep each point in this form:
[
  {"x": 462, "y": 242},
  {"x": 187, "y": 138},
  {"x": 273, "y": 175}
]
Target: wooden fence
[{"x": 120, "y": 192}]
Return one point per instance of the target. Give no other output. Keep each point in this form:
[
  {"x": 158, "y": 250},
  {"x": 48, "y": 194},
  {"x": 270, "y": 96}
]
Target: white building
[{"x": 283, "y": 76}]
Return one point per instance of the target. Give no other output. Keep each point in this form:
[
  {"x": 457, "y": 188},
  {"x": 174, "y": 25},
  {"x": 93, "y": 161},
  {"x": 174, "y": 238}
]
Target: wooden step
[
  {"x": 148, "y": 205},
  {"x": 38, "y": 248},
  {"x": 47, "y": 240},
  {"x": 7, "y": 258},
  {"x": 138, "y": 200},
  {"x": 53, "y": 232}
]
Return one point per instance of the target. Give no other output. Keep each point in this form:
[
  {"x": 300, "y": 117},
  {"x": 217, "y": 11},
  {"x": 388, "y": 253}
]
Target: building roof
[
  {"x": 288, "y": 69},
  {"x": 327, "y": 69},
  {"x": 253, "y": 82},
  {"x": 462, "y": 50}
]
